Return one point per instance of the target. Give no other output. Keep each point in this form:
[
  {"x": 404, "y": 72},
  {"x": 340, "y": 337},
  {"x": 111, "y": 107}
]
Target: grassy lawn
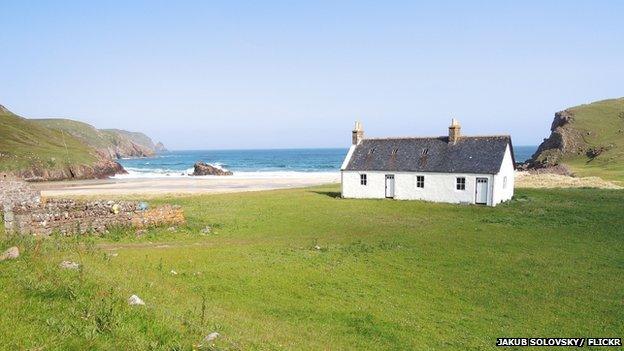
[
  {"x": 613, "y": 172},
  {"x": 388, "y": 275}
]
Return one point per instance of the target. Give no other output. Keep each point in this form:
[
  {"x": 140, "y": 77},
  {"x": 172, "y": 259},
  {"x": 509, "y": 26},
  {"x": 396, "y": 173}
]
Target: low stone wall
[
  {"x": 25, "y": 213},
  {"x": 159, "y": 216},
  {"x": 78, "y": 217},
  {"x": 13, "y": 191}
]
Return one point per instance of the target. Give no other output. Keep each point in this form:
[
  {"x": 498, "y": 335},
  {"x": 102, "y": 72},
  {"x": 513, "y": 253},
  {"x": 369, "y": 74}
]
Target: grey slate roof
[{"x": 479, "y": 154}]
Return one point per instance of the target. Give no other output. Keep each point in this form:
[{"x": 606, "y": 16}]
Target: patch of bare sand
[
  {"x": 179, "y": 186},
  {"x": 549, "y": 180}
]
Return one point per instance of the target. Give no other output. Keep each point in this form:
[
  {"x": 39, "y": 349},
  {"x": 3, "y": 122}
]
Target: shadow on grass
[{"x": 332, "y": 194}]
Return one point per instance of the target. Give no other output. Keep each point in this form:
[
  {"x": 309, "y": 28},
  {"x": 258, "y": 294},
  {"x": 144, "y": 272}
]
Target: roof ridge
[{"x": 441, "y": 137}]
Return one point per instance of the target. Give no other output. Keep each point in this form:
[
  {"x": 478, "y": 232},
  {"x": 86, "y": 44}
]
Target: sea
[{"x": 270, "y": 163}]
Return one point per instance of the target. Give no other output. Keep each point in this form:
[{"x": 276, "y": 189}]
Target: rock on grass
[
  {"x": 69, "y": 265},
  {"x": 210, "y": 338},
  {"x": 10, "y": 254},
  {"x": 135, "y": 301}
]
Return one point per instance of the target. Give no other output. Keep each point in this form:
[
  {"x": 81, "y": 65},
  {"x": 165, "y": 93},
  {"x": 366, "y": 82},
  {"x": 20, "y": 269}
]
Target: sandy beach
[{"x": 182, "y": 185}]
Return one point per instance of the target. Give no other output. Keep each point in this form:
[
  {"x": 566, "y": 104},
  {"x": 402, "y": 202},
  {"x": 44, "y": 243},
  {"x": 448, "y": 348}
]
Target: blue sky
[{"x": 275, "y": 74}]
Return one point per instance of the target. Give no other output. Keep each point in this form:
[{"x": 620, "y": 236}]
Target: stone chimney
[
  {"x": 454, "y": 131},
  {"x": 358, "y": 133}
]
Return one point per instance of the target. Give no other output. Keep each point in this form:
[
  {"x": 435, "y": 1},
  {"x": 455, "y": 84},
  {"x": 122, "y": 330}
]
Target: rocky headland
[
  {"x": 585, "y": 140},
  {"x": 63, "y": 149}
]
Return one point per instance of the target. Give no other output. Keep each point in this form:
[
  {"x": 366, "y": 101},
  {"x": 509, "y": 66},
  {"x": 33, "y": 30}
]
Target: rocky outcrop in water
[
  {"x": 202, "y": 169},
  {"x": 160, "y": 147}
]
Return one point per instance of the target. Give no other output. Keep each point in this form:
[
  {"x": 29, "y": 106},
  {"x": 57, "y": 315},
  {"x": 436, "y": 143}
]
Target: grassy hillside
[
  {"x": 602, "y": 127},
  {"x": 110, "y": 142},
  {"x": 401, "y": 275},
  {"x": 84, "y": 131},
  {"x": 25, "y": 144},
  {"x": 588, "y": 138}
]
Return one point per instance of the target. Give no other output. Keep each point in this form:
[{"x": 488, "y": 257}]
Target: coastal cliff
[
  {"x": 586, "y": 139},
  {"x": 102, "y": 168},
  {"x": 59, "y": 149},
  {"x": 110, "y": 143}
]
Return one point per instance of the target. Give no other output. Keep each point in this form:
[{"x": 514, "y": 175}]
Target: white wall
[
  {"x": 439, "y": 187},
  {"x": 502, "y": 191}
]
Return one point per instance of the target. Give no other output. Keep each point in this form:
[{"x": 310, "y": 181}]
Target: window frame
[
  {"x": 363, "y": 179},
  {"x": 420, "y": 181},
  {"x": 460, "y": 183}
]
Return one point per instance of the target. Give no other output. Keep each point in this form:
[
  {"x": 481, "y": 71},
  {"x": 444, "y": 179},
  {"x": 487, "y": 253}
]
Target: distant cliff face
[
  {"x": 131, "y": 144},
  {"x": 587, "y": 138}
]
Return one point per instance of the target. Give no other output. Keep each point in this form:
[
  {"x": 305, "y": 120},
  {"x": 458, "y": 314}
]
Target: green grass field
[{"x": 388, "y": 275}]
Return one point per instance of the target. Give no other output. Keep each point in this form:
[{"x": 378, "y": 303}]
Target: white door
[
  {"x": 481, "y": 194},
  {"x": 390, "y": 185}
]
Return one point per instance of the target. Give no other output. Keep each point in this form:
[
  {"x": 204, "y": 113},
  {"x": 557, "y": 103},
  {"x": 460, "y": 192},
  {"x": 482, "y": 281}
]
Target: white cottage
[{"x": 453, "y": 168}]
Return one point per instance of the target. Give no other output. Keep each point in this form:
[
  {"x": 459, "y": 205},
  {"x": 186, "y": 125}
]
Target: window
[
  {"x": 420, "y": 181},
  {"x": 505, "y": 182},
  {"x": 362, "y": 179},
  {"x": 461, "y": 183},
  {"x": 425, "y": 151}
]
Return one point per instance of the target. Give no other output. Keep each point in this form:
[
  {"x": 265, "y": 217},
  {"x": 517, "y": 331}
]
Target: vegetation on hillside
[
  {"x": 26, "y": 144},
  {"x": 304, "y": 269},
  {"x": 56, "y": 149},
  {"x": 602, "y": 126},
  {"x": 113, "y": 143}
]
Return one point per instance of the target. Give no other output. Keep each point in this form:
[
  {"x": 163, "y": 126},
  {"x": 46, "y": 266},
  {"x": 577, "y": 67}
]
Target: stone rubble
[
  {"x": 210, "y": 338},
  {"x": 10, "y": 254},
  {"x": 69, "y": 265},
  {"x": 135, "y": 301}
]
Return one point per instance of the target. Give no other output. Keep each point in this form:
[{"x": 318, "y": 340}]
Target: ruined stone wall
[
  {"x": 77, "y": 217},
  {"x": 13, "y": 191},
  {"x": 25, "y": 213},
  {"x": 162, "y": 215}
]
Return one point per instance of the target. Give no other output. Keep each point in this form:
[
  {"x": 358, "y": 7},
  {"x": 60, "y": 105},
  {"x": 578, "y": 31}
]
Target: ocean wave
[
  {"x": 146, "y": 172},
  {"x": 132, "y": 174}
]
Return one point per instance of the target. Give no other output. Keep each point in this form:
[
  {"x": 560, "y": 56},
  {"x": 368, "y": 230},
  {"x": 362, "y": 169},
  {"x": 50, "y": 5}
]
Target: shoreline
[
  {"x": 257, "y": 181},
  {"x": 181, "y": 185}
]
